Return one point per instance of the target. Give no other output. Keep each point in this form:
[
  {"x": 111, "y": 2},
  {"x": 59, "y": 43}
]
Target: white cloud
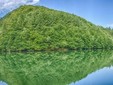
[{"x": 7, "y": 4}]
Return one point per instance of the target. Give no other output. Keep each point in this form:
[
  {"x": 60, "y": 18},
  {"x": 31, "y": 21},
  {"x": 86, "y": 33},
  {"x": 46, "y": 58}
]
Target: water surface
[
  {"x": 55, "y": 68},
  {"x": 2, "y": 83},
  {"x": 100, "y": 77}
]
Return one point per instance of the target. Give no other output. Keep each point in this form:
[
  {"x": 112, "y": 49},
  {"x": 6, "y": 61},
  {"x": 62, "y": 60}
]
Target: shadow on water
[{"x": 51, "y": 68}]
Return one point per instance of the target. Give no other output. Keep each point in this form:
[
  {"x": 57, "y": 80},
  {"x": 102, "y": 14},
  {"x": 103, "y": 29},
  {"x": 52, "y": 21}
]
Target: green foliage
[{"x": 40, "y": 28}]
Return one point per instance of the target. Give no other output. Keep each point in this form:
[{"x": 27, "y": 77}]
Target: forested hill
[{"x": 38, "y": 28}]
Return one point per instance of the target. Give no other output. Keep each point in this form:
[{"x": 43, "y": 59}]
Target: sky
[{"x": 98, "y": 12}]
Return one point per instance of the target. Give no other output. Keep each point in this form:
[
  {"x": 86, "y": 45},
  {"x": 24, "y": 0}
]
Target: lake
[{"x": 57, "y": 68}]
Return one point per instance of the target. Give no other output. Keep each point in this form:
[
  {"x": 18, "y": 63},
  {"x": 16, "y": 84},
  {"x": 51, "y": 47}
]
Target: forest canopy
[{"x": 32, "y": 28}]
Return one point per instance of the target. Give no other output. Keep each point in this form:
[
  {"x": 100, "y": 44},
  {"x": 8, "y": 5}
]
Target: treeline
[{"x": 32, "y": 28}]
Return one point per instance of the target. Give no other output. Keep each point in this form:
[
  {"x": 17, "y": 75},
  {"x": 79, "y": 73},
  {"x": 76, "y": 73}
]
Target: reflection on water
[
  {"x": 100, "y": 77},
  {"x": 2, "y": 83},
  {"x": 51, "y": 68}
]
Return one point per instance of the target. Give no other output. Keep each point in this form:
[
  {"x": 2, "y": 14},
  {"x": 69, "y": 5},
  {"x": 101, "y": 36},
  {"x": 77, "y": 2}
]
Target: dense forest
[{"x": 32, "y": 28}]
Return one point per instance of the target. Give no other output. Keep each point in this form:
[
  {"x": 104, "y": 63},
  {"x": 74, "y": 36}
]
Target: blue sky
[{"x": 98, "y": 12}]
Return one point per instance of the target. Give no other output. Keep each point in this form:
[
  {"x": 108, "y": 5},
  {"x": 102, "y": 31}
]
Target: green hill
[{"x": 38, "y": 28}]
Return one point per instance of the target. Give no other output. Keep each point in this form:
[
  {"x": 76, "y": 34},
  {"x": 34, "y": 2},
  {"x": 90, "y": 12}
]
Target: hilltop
[{"x": 31, "y": 28}]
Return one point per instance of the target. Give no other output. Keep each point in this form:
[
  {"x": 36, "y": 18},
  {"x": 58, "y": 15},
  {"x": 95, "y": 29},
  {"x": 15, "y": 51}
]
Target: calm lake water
[{"x": 57, "y": 68}]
